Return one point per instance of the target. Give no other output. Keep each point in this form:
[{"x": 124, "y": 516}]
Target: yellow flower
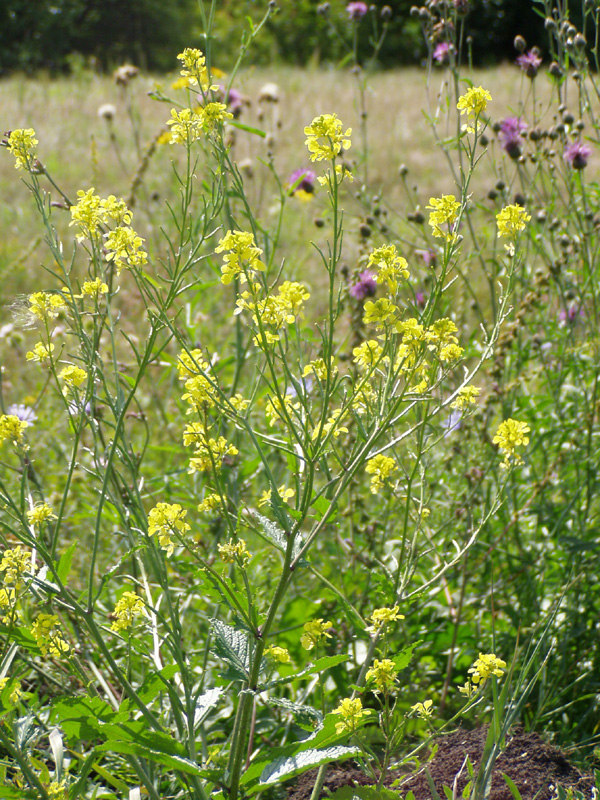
[
  {"x": 390, "y": 266},
  {"x": 239, "y": 403},
  {"x": 381, "y": 468},
  {"x": 486, "y": 665},
  {"x": 368, "y": 353},
  {"x": 351, "y": 712},
  {"x": 383, "y": 673},
  {"x": 166, "y": 520},
  {"x": 209, "y": 455},
  {"x": 11, "y": 428},
  {"x": 46, "y": 306},
  {"x": 21, "y": 143},
  {"x": 379, "y": 312},
  {"x": 209, "y": 503},
  {"x": 314, "y": 631},
  {"x": 277, "y": 411},
  {"x": 325, "y": 139},
  {"x": 511, "y": 220},
  {"x": 72, "y": 376},
  {"x": 466, "y": 397},
  {"x": 423, "y": 710},
  {"x": 279, "y": 654},
  {"x": 46, "y": 632},
  {"x": 319, "y": 368},
  {"x": 444, "y": 211},
  {"x": 15, "y": 563},
  {"x": 381, "y": 617},
  {"x": 186, "y": 126},
  {"x": 129, "y": 606},
  {"x": 200, "y": 394},
  {"x": 91, "y": 211},
  {"x": 474, "y": 101},
  {"x": 94, "y": 288},
  {"x": 468, "y": 689},
  {"x": 243, "y": 256},
  {"x": 39, "y": 514},
  {"x": 213, "y": 114},
  {"x": 194, "y": 68},
  {"x": 510, "y": 434},
  {"x": 40, "y": 352},
  {"x": 283, "y": 492},
  {"x": 332, "y": 425},
  {"x": 124, "y": 248},
  {"x": 191, "y": 364},
  {"x": 234, "y": 552}
]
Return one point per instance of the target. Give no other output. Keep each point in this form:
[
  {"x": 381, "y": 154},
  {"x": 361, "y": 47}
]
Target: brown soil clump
[{"x": 532, "y": 764}]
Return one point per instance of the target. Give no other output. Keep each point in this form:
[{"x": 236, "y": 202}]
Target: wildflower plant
[{"x": 257, "y": 470}]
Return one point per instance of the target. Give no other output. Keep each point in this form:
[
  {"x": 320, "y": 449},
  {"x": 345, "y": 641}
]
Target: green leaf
[
  {"x": 274, "y": 534},
  {"x": 320, "y": 665},
  {"x": 512, "y": 787},
  {"x": 232, "y": 646},
  {"x": 174, "y": 762},
  {"x": 204, "y": 703},
  {"x": 82, "y": 717},
  {"x": 285, "y": 768},
  {"x": 247, "y": 128},
  {"x": 365, "y": 793},
  {"x": 18, "y": 794},
  {"x": 403, "y": 658},
  {"x": 305, "y": 715},
  {"x": 64, "y": 565},
  {"x": 153, "y": 686}
]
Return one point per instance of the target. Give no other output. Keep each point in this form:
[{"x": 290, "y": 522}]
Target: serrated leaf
[
  {"x": 285, "y": 768},
  {"x": 303, "y": 714},
  {"x": 174, "y": 762},
  {"x": 232, "y": 646},
  {"x": 276, "y": 535},
  {"x": 403, "y": 658},
  {"x": 204, "y": 703}
]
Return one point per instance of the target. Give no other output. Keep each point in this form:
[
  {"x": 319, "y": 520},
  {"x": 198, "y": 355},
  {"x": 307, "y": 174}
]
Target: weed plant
[{"x": 257, "y": 519}]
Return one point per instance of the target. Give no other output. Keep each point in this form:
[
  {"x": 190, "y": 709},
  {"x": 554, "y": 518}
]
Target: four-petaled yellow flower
[
  {"x": 487, "y": 664},
  {"x": 194, "y": 68},
  {"x": 12, "y": 428},
  {"x": 423, "y": 710},
  {"x": 511, "y": 220},
  {"x": 15, "y": 563},
  {"x": 242, "y": 257},
  {"x": 444, "y": 212},
  {"x": 129, "y": 606},
  {"x": 283, "y": 492},
  {"x": 209, "y": 503},
  {"x": 46, "y": 306},
  {"x": 72, "y": 376},
  {"x": 186, "y": 126},
  {"x": 210, "y": 453},
  {"x": 40, "y": 352},
  {"x": 510, "y": 434},
  {"x": 279, "y": 654},
  {"x": 167, "y": 520},
  {"x": 381, "y": 468},
  {"x": 212, "y": 115},
  {"x": 94, "y": 288},
  {"x": 48, "y": 637},
  {"x": 314, "y": 631},
  {"x": 368, "y": 353},
  {"x": 325, "y": 139},
  {"x": 351, "y": 712},
  {"x": 474, "y": 101},
  {"x": 380, "y": 312},
  {"x": 123, "y": 247},
  {"x": 383, "y": 673},
  {"x": 21, "y": 143}
]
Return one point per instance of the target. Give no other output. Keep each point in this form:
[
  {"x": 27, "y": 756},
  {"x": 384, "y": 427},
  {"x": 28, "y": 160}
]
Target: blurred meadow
[{"x": 299, "y": 426}]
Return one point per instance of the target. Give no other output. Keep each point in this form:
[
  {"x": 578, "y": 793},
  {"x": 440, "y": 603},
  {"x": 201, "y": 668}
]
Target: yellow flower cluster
[
  {"x": 314, "y": 631},
  {"x": 94, "y": 288},
  {"x": 332, "y": 426},
  {"x": 391, "y": 267},
  {"x": 383, "y": 673},
  {"x": 368, "y": 354},
  {"x": 276, "y": 310},
  {"x": 279, "y": 654},
  {"x": 278, "y": 411},
  {"x": 381, "y": 468},
  {"x": 167, "y": 520},
  {"x": 209, "y": 454},
  {"x": 39, "y": 514},
  {"x": 40, "y": 352},
  {"x": 243, "y": 257},
  {"x": 123, "y": 247},
  {"x": 48, "y": 636},
  {"x": 93, "y": 211},
  {"x": 21, "y": 143},
  {"x": 474, "y": 101},
  {"x": 351, "y": 712},
  {"x": 511, "y": 220},
  {"x": 11, "y": 428},
  {"x": 15, "y": 563},
  {"x": 466, "y": 397},
  {"x": 209, "y": 503},
  {"x": 283, "y": 492},
  {"x": 194, "y": 68},
  {"x": 444, "y": 213},
  {"x": 46, "y": 306},
  {"x": 189, "y": 124},
  {"x": 319, "y": 368},
  {"x": 485, "y": 666},
  {"x": 234, "y": 552},
  {"x": 511, "y": 434},
  {"x": 15, "y": 692},
  {"x": 382, "y": 617},
  {"x": 128, "y": 607},
  {"x": 72, "y": 376},
  {"x": 441, "y": 340},
  {"x": 324, "y": 137}
]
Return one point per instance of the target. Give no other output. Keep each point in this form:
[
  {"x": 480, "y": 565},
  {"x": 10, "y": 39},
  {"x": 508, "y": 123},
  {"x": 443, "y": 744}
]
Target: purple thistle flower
[
  {"x": 366, "y": 286},
  {"x": 511, "y": 135},
  {"x": 302, "y": 179},
  {"x": 530, "y": 63},
  {"x": 576, "y": 154},
  {"x": 357, "y": 10},
  {"x": 441, "y": 53}
]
